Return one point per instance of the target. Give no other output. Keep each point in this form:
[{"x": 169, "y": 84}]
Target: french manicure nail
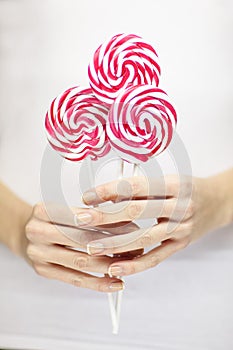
[
  {"x": 117, "y": 285},
  {"x": 89, "y": 197},
  {"x": 95, "y": 248},
  {"x": 115, "y": 271},
  {"x": 82, "y": 219}
]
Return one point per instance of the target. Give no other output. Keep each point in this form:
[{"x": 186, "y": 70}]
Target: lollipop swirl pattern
[
  {"x": 76, "y": 125},
  {"x": 124, "y": 110},
  {"x": 141, "y": 123},
  {"x": 123, "y": 61}
]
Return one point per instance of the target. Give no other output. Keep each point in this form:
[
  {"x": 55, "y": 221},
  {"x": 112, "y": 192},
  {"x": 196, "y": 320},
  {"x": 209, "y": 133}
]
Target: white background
[{"x": 45, "y": 46}]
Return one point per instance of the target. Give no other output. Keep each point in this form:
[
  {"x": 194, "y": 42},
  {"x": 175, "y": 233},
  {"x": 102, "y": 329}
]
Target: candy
[
  {"x": 123, "y": 61},
  {"x": 76, "y": 125},
  {"x": 141, "y": 123}
]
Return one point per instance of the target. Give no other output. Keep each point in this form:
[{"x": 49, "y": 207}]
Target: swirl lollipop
[
  {"x": 140, "y": 126},
  {"x": 141, "y": 123},
  {"x": 75, "y": 125},
  {"x": 122, "y": 61},
  {"x": 76, "y": 128}
]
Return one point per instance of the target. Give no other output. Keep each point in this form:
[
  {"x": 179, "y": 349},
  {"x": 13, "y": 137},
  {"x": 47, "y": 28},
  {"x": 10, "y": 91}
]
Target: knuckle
[
  {"x": 39, "y": 210},
  {"x": 29, "y": 230},
  {"x": 79, "y": 262},
  {"x": 187, "y": 227},
  {"x": 101, "y": 287},
  {"x": 145, "y": 240},
  {"x": 190, "y": 209},
  {"x": 186, "y": 187},
  {"x": 36, "y": 231},
  {"x": 102, "y": 192},
  {"x": 171, "y": 228},
  {"x": 184, "y": 242},
  {"x": 182, "y": 230},
  {"x": 76, "y": 281},
  {"x": 131, "y": 268},
  {"x": 31, "y": 251},
  {"x": 136, "y": 185},
  {"x": 134, "y": 210},
  {"x": 40, "y": 270},
  {"x": 153, "y": 261}
]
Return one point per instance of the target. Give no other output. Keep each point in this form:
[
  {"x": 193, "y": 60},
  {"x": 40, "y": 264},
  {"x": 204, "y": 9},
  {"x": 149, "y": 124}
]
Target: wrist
[
  {"x": 17, "y": 241},
  {"x": 222, "y": 195},
  {"x": 14, "y": 214}
]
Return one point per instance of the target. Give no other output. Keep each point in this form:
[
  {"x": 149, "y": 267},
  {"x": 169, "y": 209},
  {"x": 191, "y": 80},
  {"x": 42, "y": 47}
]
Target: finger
[
  {"x": 123, "y": 228},
  {"x": 149, "y": 260},
  {"x": 79, "y": 279},
  {"x": 47, "y": 233},
  {"x": 141, "y": 238},
  {"x": 127, "y": 188},
  {"x": 118, "y": 227},
  {"x": 125, "y": 211},
  {"x": 73, "y": 259},
  {"x": 67, "y": 217},
  {"x": 138, "y": 239},
  {"x": 139, "y": 187},
  {"x": 54, "y": 213}
]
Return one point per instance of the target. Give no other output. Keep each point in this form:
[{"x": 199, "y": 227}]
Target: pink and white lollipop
[
  {"x": 141, "y": 123},
  {"x": 122, "y": 61},
  {"x": 76, "y": 125}
]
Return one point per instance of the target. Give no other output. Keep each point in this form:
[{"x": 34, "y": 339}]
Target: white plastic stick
[
  {"x": 120, "y": 292},
  {"x": 110, "y": 295}
]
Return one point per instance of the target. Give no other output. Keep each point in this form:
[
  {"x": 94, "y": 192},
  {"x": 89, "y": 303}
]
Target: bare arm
[
  {"x": 223, "y": 184},
  {"x": 14, "y": 214}
]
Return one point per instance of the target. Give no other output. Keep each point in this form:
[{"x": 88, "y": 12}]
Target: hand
[
  {"x": 185, "y": 210},
  {"x": 52, "y": 250}
]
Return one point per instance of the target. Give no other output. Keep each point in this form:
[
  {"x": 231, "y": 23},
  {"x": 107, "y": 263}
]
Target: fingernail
[
  {"x": 83, "y": 218},
  {"x": 115, "y": 271},
  {"x": 95, "y": 248},
  {"x": 117, "y": 285},
  {"x": 89, "y": 197}
]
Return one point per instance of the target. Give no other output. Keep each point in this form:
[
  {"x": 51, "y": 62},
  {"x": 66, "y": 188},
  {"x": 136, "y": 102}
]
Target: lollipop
[
  {"x": 76, "y": 128},
  {"x": 122, "y": 61},
  {"x": 75, "y": 125},
  {"x": 141, "y": 123},
  {"x": 124, "y": 76}
]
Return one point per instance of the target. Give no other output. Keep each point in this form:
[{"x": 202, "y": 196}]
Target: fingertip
[
  {"x": 89, "y": 197},
  {"x": 88, "y": 250},
  {"x": 109, "y": 272},
  {"x": 95, "y": 248}
]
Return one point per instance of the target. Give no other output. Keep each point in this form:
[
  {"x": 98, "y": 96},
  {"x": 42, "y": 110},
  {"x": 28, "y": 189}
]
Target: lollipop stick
[
  {"x": 110, "y": 296},
  {"x": 135, "y": 170},
  {"x": 119, "y": 294}
]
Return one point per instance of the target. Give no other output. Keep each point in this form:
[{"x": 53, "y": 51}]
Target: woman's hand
[
  {"x": 185, "y": 210},
  {"x": 54, "y": 251}
]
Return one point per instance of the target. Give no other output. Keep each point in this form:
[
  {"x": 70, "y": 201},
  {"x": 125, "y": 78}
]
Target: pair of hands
[{"x": 71, "y": 250}]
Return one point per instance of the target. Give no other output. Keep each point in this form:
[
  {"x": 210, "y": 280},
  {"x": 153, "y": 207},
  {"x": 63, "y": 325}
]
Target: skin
[
  {"x": 186, "y": 210},
  {"x": 48, "y": 248}
]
